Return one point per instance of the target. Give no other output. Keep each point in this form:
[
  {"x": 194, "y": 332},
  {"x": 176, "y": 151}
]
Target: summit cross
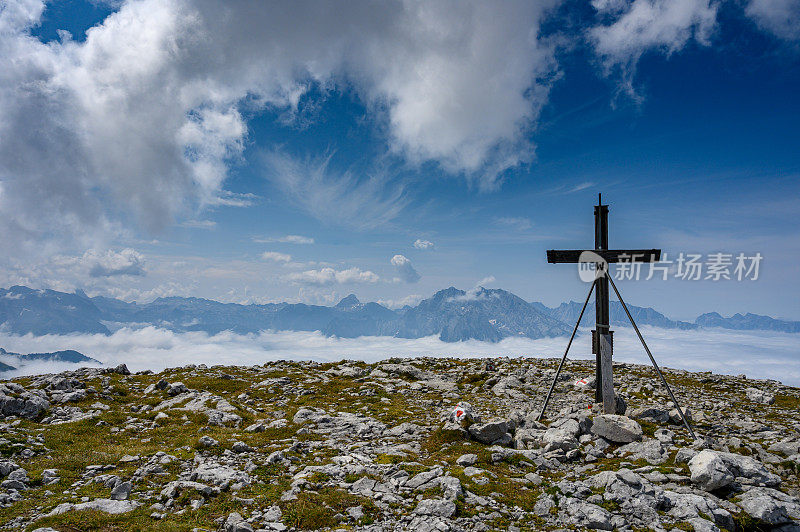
[{"x": 602, "y": 335}]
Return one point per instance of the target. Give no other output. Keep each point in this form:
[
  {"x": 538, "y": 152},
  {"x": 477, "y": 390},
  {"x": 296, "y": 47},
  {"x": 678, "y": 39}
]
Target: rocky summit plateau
[{"x": 404, "y": 444}]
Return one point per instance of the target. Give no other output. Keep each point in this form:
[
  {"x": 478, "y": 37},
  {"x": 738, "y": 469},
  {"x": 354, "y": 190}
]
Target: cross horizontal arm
[{"x": 556, "y": 256}]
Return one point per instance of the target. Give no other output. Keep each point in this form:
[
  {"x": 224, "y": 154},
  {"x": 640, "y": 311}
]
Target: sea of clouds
[{"x": 758, "y": 354}]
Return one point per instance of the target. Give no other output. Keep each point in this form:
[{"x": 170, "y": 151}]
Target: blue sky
[{"x": 248, "y": 155}]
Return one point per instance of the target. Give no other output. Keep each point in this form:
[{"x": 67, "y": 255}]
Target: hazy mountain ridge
[
  {"x": 10, "y": 361},
  {"x": 451, "y": 314},
  {"x": 747, "y": 322},
  {"x": 568, "y": 312}
]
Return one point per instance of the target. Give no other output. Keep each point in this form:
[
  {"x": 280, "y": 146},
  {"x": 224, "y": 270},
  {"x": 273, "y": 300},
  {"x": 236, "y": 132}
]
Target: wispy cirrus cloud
[
  {"x": 275, "y": 256},
  {"x": 226, "y": 198},
  {"x": 288, "y": 239},
  {"x": 198, "y": 224},
  {"x": 519, "y": 223},
  {"x": 344, "y": 198}
]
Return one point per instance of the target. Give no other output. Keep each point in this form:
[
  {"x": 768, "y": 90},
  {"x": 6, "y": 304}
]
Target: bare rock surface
[{"x": 429, "y": 444}]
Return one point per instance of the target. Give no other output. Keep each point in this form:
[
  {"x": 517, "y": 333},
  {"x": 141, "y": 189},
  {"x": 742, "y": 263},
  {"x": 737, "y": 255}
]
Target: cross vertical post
[
  {"x": 602, "y": 336},
  {"x": 602, "y": 312}
]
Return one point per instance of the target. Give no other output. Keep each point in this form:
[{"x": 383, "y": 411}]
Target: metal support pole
[
  {"x": 653, "y": 360},
  {"x": 561, "y": 364}
]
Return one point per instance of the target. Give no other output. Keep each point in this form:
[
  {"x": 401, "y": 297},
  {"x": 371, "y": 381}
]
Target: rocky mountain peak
[{"x": 348, "y": 303}]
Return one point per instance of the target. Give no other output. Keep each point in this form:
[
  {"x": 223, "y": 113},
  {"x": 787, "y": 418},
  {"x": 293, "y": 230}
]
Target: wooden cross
[{"x": 602, "y": 336}]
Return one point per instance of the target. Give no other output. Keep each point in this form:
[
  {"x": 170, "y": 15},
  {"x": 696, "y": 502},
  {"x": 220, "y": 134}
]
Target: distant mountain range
[
  {"x": 747, "y": 322},
  {"x": 451, "y": 314},
  {"x": 11, "y": 361}
]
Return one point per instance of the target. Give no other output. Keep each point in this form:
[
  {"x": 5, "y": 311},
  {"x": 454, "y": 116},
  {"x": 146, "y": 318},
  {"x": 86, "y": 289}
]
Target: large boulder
[
  {"x": 562, "y": 437},
  {"x": 709, "y": 471},
  {"x": 759, "y": 396},
  {"x": 770, "y": 505},
  {"x": 618, "y": 429},
  {"x": 435, "y": 507},
  {"x": 492, "y": 432},
  {"x": 587, "y": 515},
  {"x": 176, "y": 388},
  {"x": 653, "y": 414},
  {"x": 108, "y": 506},
  {"x": 27, "y": 405},
  {"x": 463, "y": 413},
  {"x": 122, "y": 369},
  {"x": 716, "y": 469}
]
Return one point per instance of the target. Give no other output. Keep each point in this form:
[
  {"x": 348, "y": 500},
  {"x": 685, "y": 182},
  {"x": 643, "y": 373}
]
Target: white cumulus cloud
[
  {"x": 411, "y": 300},
  {"x": 142, "y": 118},
  {"x": 632, "y": 28},
  {"x": 113, "y": 263},
  {"x": 423, "y": 244},
  {"x": 328, "y": 276},
  {"x": 780, "y": 17},
  {"x": 404, "y": 269}
]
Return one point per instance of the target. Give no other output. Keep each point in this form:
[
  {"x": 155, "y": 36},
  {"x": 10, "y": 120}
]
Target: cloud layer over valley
[{"x": 756, "y": 354}]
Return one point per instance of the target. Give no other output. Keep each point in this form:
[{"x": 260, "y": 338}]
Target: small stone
[
  {"x": 177, "y": 388},
  {"x": 121, "y": 491},
  {"x": 241, "y": 447},
  {"x": 467, "y": 460},
  {"x": 207, "y": 441}
]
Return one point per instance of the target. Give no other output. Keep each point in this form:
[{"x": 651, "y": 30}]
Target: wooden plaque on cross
[{"x": 602, "y": 336}]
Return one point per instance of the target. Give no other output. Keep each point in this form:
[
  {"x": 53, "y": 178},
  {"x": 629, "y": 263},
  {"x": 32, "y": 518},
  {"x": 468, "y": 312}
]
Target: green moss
[
  {"x": 744, "y": 522},
  {"x": 787, "y": 402},
  {"x": 315, "y": 510},
  {"x": 438, "y": 438},
  {"x": 648, "y": 428}
]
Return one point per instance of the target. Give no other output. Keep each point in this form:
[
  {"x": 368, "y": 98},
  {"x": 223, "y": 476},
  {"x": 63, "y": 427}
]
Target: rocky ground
[{"x": 298, "y": 445}]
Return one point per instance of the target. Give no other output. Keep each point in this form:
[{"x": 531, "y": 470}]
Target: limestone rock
[
  {"x": 467, "y": 459},
  {"x": 709, "y": 471},
  {"x": 770, "y": 505},
  {"x": 435, "y": 507},
  {"x": 759, "y": 396},
  {"x": 615, "y": 428},
  {"x": 177, "y": 388},
  {"x": 121, "y": 491},
  {"x": 494, "y": 431},
  {"x": 108, "y": 506}
]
